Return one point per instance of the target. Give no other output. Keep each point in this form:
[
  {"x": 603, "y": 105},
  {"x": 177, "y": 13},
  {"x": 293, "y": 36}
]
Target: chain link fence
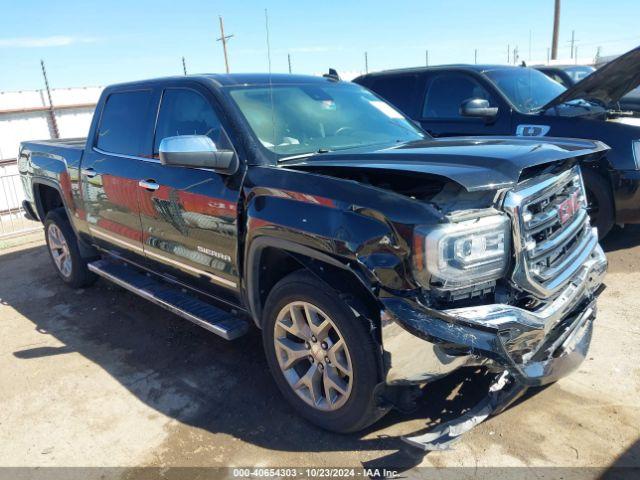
[{"x": 12, "y": 219}]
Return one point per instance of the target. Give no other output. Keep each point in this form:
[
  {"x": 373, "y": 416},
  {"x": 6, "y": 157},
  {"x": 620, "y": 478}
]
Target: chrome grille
[{"x": 552, "y": 234}]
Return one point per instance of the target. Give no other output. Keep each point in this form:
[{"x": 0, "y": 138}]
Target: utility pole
[
  {"x": 573, "y": 41},
  {"x": 576, "y": 54},
  {"x": 548, "y": 55},
  {"x": 184, "y": 66},
  {"x": 515, "y": 55},
  {"x": 289, "y": 60},
  {"x": 426, "y": 57},
  {"x": 366, "y": 63},
  {"x": 52, "y": 115},
  {"x": 508, "y": 54},
  {"x": 475, "y": 56},
  {"x": 598, "y": 54},
  {"x": 556, "y": 30},
  {"x": 223, "y": 38}
]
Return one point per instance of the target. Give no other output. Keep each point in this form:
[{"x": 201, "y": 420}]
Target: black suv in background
[
  {"x": 569, "y": 75},
  {"x": 460, "y": 100}
]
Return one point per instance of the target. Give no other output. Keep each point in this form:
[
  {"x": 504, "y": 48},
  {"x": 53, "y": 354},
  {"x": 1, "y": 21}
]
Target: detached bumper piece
[
  {"x": 527, "y": 347},
  {"x": 502, "y": 393}
]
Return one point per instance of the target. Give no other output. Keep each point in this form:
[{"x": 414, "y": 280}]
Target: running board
[{"x": 172, "y": 298}]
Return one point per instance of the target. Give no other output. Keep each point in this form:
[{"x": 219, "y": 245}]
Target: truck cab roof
[
  {"x": 454, "y": 66},
  {"x": 225, "y": 80}
]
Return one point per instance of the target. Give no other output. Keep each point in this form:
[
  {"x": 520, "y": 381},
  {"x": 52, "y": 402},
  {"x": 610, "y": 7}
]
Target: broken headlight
[{"x": 456, "y": 255}]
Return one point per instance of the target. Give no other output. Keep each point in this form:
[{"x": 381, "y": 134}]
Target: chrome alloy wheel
[
  {"x": 313, "y": 356},
  {"x": 59, "y": 250}
]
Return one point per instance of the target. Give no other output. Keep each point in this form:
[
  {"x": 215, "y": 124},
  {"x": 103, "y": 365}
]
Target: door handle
[
  {"x": 148, "y": 185},
  {"x": 89, "y": 172}
]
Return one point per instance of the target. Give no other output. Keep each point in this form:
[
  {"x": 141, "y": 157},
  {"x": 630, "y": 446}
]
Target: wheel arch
[
  {"x": 47, "y": 196},
  {"x": 271, "y": 259}
]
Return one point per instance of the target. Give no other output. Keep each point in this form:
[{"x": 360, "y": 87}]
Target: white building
[{"x": 26, "y": 115}]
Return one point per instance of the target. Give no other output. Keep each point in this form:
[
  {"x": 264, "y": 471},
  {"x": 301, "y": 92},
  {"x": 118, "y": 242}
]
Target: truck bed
[{"x": 69, "y": 149}]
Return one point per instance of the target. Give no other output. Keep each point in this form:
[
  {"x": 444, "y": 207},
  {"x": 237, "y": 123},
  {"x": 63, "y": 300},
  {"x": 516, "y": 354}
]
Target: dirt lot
[{"x": 101, "y": 378}]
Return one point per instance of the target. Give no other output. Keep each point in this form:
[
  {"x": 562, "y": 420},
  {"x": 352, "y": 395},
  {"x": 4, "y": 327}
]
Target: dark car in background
[
  {"x": 569, "y": 75},
  {"x": 462, "y": 100},
  {"x": 566, "y": 75}
]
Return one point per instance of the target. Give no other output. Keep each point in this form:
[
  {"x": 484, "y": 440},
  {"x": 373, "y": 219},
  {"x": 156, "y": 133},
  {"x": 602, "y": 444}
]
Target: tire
[
  {"x": 335, "y": 411},
  {"x": 63, "y": 245},
  {"x": 600, "y": 201}
]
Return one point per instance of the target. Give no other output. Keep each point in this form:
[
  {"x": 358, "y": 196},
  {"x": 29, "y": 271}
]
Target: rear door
[
  {"x": 189, "y": 215},
  {"x": 112, "y": 167},
  {"x": 444, "y": 93},
  {"x": 399, "y": 90}
]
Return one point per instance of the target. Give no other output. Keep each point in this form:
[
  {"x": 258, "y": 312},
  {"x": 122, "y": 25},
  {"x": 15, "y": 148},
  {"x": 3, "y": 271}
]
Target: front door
[
  {"x": 111, "y": 169},
  {"x": 444, "y": 94},
  {"x": 189, "y": 215}
]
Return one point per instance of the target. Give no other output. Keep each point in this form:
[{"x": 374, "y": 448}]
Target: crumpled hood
[
  {"x": 476, "y": 163},
  {"x": 606, "y": 85}
]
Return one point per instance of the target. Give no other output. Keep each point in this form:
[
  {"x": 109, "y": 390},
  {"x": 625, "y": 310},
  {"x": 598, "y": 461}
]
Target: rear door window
[
  {"x": 447, "y": 91},
  {"x": 398, "y": 90},
  {"x": 125, "y": 124}
]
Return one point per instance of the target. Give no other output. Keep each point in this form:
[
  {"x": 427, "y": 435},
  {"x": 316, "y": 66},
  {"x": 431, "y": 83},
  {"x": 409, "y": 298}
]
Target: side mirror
[
  {"x": 197, "y": 151},
  {"x": 478, "y": 108}
]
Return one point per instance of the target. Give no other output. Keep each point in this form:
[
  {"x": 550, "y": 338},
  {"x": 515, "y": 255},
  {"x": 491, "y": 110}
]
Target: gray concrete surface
[{"x": 99, "y": 377}]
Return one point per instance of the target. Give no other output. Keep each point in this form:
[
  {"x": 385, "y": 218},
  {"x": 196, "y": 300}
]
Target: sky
[{"x": 91, "y": 43}]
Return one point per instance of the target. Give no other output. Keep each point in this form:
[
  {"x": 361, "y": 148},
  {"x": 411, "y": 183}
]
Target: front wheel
[
  {"x": 321, "y": 355},
  {"x": 599, "y": 202}
]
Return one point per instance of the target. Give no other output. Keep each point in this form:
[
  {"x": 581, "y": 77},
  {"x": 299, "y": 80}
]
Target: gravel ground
[{"x": 99, "y": 377}]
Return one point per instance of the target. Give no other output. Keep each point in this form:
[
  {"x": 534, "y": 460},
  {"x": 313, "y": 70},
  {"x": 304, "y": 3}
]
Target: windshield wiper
[{"x": 304, "y": 155}]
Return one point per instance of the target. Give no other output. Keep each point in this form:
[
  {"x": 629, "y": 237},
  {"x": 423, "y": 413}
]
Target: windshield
[
  {"x": 527, "y": 89},
  {"x": 579, "y": 72},
  {"x": 319, "y": 118}
]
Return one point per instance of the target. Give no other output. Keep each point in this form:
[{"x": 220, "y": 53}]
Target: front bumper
[{"x": 537, "y": 347}]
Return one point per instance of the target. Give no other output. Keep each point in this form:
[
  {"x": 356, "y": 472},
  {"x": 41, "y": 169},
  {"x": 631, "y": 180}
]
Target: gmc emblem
[{"x": 568, "y": 208}]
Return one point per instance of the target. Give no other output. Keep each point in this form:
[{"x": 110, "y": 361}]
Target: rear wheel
[
  {"x": 599, "y": 201},
  {"x": 63, "y": 250},
  {"x": 321, "y": 355}
]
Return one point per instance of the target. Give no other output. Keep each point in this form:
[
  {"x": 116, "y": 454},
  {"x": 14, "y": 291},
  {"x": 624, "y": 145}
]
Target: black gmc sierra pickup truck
[{"x": 371, "y": 256}]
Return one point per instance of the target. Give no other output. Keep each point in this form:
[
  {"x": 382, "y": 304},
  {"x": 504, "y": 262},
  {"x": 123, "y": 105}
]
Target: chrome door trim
[
  {"x": 106, "y": 236},
  {"x": 191, "y": 269},
  {"x": 122, "y": 155},
  {"x": 145, "y": 250}
]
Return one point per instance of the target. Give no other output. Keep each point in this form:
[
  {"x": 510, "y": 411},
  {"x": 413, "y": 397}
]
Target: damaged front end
[{"x": 533, "y": 324}]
